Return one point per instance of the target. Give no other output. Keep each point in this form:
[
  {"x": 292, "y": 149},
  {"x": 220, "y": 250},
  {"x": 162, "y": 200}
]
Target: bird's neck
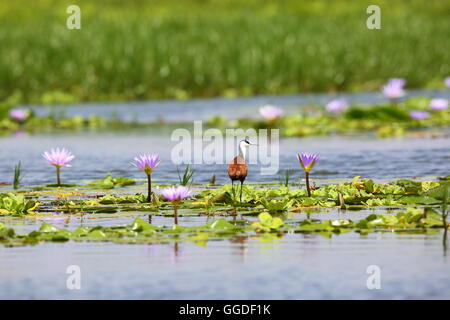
[{"x": 242, "y": 151}]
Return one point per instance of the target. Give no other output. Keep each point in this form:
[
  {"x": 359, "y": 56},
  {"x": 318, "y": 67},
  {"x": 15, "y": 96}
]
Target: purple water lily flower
[
  {"x": 175, "y": 195},
  {"x": 439, "y": 104},
  {"x": 271, "y": 112},
  {"x": 447, "y": 82},
  {"x": 337, "y": 105},
  {"x": 58, "y": 158},
  {"x": 393, "y": 90},
  {"x": 419, "y": 115},
  {"x": 19, "y": 115},
  {"x": 307, "y": 161},
  {"x": 147, "y": 163},
  {"x": 398, "y": 82}
]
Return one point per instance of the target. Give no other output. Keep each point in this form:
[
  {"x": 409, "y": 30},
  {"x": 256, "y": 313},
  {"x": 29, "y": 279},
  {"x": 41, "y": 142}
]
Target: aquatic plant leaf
[
  {"x": 308, "y": 225},
  {"x": 375, "y": 223},
  {"x": 80, "y": 231},
  {"x": 6, "y": 232},
  {"x": 59, "y": 237},
  {"x": 355, "y": 180},
  {"x": 412, "y": 199},
  {"x": 16, "y": 204},
  {"x": 110, "y": 182},
  {"x": 139, "y": 225},
  {"x": 222, "y": 224},
  {"x": 48, "y": 228},
  {"x": 222, "y": 198},
  {"x": 439, "y": 191},
  {"x": 275, "y": 205},
  {"x": 410, "y": 186},
  {"x": 267, "y": 222},
  {"x": 96, "y": 234},
  {"x": 389, "y": 220},
  {"x": 341, "y": 223},
  {"x": 368, "y": 184}
]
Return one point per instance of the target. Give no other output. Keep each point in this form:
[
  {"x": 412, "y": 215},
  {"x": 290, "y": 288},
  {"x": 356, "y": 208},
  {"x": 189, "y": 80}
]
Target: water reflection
[{"x": 444, "y": 241}]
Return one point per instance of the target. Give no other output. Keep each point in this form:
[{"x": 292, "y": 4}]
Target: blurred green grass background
[{"x": 136, "y": 49}]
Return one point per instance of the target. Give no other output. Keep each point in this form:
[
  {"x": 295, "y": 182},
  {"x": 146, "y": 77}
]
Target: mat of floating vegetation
[
  {"x": 385, "y": 120},
  {"x": 355, "y": 195},
  {"x": 412, "y": 220}
]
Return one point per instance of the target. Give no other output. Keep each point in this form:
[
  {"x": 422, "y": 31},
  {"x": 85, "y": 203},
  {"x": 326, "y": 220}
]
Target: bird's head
[{"x": 246, "y": 143}]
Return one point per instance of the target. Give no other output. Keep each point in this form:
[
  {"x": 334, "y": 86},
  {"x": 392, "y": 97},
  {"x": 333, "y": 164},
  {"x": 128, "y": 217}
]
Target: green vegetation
[
  {"x": 409, "y": 221},
  {"x": 385, "y": 120},
  {"x": 265, "y": 212},
  {"x": 109, "y": 182},
  {"x": 16, "y": 205},
  {"x": 355, "y": 195},
  {"x": 187, "y": 179},
  {"x": 197, "y": 48},
  {"x": 17, "y": 175}
]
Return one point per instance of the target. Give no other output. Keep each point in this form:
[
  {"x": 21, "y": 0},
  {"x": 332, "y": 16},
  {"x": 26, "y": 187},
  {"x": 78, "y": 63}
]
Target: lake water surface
[{"x": 293, "y": 267}]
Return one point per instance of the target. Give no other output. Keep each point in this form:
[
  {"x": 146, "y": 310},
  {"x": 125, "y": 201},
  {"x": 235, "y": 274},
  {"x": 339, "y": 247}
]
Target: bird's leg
[
  {"x": 232, "y": 189},
  {"x": 240, "y": 196},
  {"x": 233, "y": 195}
]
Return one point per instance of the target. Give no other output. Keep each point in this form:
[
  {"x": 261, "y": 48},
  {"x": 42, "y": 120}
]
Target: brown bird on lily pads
[{"x": 237, "y": 168}]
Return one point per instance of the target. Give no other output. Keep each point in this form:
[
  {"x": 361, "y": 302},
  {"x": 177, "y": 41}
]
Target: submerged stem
[
  {"x": 58, "y": 176},
  {"x": 307, "y": 183},
  {"x": 149, "y": 195}
]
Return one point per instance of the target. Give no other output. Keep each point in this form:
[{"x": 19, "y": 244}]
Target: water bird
[{"x": 237, "y": 168}]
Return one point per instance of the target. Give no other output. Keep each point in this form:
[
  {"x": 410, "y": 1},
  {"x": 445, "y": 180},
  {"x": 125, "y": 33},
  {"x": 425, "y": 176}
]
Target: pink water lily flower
[
  {"x": 175, "y": 195},
  {"x": 337, "y": 105},
  {"x": 439, "y": 104},
  {"x": 307, "y": 161},
  {"x": 419, "y": 115},
  {"x": 58, "y": 158},
  {"x": 19, "y": 115},
  {"x": 398, "y": 82},
  {"x": 393, "y": 90},
  {"x": 147, "y": 163},
  {"x": 447, "y": 82},
  {"x": 271, "y": 112}
]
